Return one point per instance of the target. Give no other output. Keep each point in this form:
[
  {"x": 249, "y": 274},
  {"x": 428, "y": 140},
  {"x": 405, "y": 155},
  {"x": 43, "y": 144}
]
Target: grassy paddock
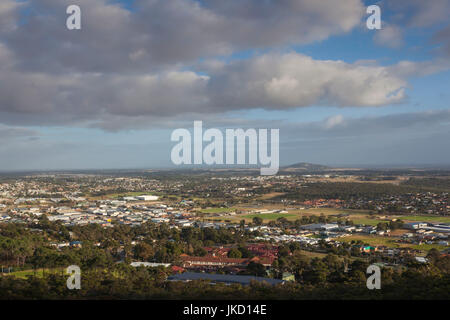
[
  {"x": 292, "y": 215},
  {"x": 24, "y": 274},
  {"x": 389, "y": 242},
  {"x": 425, "y": 218},
  {"x": 270, "y": 216}
]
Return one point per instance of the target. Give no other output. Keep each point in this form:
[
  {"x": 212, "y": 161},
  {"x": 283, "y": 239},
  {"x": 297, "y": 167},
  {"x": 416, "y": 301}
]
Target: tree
[
  {"x": 200, "y": 252},
  {"x": 282, "y": 221},
  {"x": 235, "y": 253},
  {"x": 433, "y": 255},
  {"x": 258, "y": 221},
  {"x": 294, "y": 246},
  {"x": 143, "y": 251},
  {"x": 383, "y": 226},
  {"x": 245, "y": 252},
  {"x": 256, "y": 269},
  {"x": 283, "y": 251}
]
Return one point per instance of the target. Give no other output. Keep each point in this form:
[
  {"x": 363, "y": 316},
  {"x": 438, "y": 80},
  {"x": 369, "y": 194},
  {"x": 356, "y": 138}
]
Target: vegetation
[
  {"x": 347, "y": 191},
  {"x": 39, "y": 266}
]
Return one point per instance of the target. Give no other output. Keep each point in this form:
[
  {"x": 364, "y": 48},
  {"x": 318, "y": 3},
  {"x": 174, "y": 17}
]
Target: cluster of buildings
[
  {"x": 102, "y": 212},
  {"x": 409, "y": 203},
  {"x": 427, "y": 233},
  {"x": 80, "y": 199},
  {"x": 218, "y": 258}
]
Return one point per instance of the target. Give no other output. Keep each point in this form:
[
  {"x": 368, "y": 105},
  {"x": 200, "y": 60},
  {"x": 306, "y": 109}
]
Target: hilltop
[{"x": 307, "y": 167}]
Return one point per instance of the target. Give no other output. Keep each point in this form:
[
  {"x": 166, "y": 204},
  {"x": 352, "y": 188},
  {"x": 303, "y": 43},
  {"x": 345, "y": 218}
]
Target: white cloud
[
  {"x": 272, "y": 81},
  {"x": 290, "y": 80},
  {"x": 334, "y": 121},
  {"x": 389, "y": 36}
]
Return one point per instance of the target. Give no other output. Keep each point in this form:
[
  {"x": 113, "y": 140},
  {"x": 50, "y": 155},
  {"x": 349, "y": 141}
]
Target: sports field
[
  {"x": 292, "y": 213},
  {"x": 38, "y": 273},
  {"x": 364, "y": 217},
  {"x": 271, "y": 216},
  {"x": 426, "y": 218},
  {"x": 374, "y": 240}
]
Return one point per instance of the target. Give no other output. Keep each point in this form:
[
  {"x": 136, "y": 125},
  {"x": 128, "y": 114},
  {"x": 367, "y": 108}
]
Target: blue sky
[{"x": 109, "y": 95}]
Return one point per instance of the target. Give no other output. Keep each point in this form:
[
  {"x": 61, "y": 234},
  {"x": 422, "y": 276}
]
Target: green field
[
  {"x": 310, "y": 211},
  {"x": 331, "y": 211},
  {"x": 371, "y": 240},
  {"x": 28, "y": 273},
  {"x": 367, "y": 221},
  {"x": 311, "y": 254},
  {"x": 371, "y": 220},
  {"x": 292, "y": 215},
  {"x": 425, "y": 218},
  {"x": 271, "y": 216},
  {"x": 389, "y": 242},
  {"x": 428, "y": 247},
  {"x": 364, "y": 217}
]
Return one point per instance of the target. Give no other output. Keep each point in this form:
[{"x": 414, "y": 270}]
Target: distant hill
[{"x": 307, "y": 167}]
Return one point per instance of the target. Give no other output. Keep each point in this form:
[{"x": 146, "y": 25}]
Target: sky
[{"x": 109, "y": 95}]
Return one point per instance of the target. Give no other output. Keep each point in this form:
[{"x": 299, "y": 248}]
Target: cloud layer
[
  {"x": 271, "y": 81},
  {"x": 408, "y": 138},
  {"x": 159, "y": 33},
  {"x": 166, "y": 59}
]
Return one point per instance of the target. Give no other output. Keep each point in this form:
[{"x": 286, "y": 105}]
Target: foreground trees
[
  {"x": 142, "y": 283},
  {"x": 106, "y": 274}
]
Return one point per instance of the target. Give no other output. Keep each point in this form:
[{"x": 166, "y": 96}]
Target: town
[{"x": 231, "y": 227}]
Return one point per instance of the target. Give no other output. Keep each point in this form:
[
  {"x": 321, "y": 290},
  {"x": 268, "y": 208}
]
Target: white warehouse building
[{"x": 147, "y": 198}]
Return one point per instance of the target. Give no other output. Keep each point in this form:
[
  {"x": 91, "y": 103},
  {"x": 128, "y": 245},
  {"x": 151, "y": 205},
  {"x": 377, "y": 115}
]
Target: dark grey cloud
[
  {"x": 165, "y": 32},
  {"x": 9, "y": 14},
  {"x": 127, "y": 69},
  {"x": 442, "y": 38},
  {"x": 410, "y": 14},
  {"x": 417, "y": 13},
  {"x": 272, "y": 81}
]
